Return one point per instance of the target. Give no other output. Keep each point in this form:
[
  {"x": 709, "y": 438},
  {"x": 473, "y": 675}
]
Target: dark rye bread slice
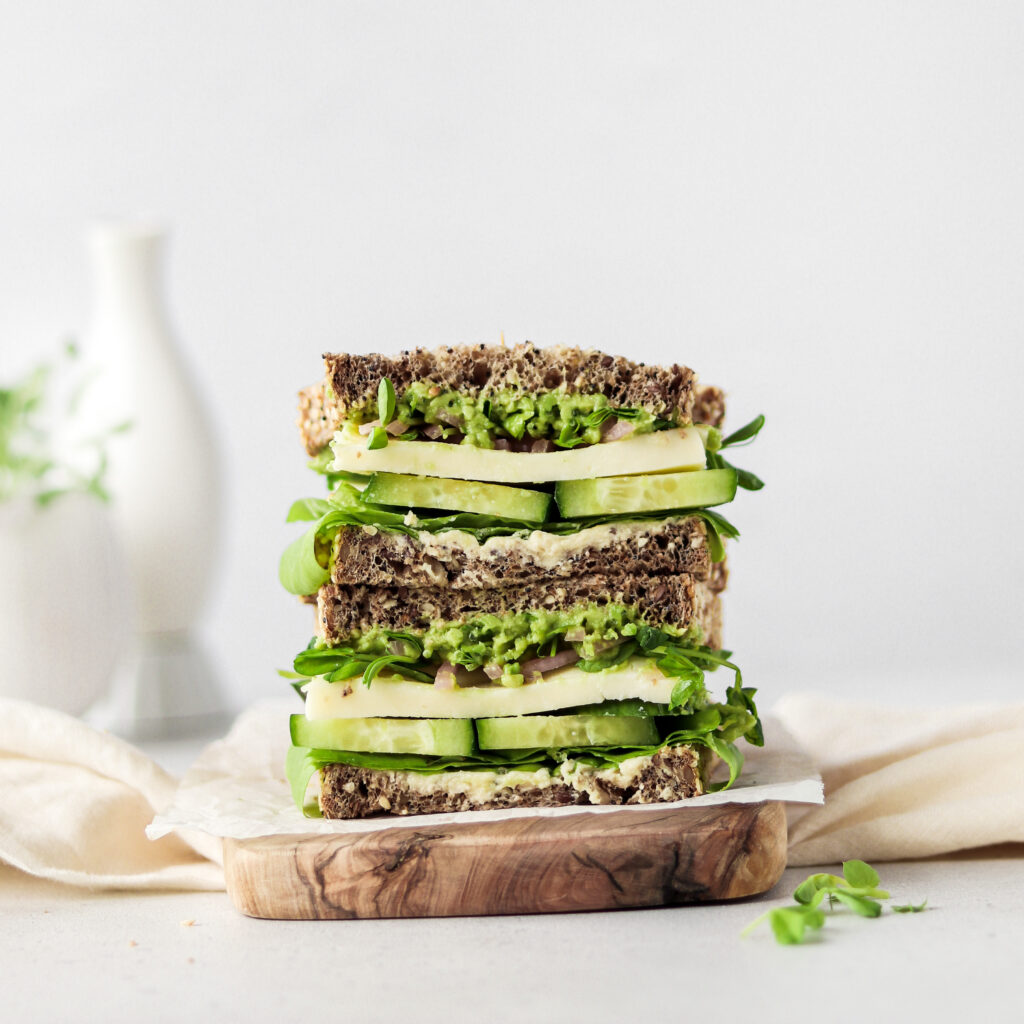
[
  {"x": 680, "y": 600},
  {"x": 674, "y": 773},
  {"x": 482, "y": 369},
  {"x": 453, "y": 558},
  {"x": 670, "y": 392}
]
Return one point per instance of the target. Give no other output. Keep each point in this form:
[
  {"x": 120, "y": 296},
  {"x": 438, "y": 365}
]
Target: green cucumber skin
[
  {"x": 405, "y": 491},
  {"x": 646, "y": 492},
  {"x": 449, "y": 737},
  {"x": 552, "y": 731}
]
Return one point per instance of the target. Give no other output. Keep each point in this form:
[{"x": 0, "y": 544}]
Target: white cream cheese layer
[
  {"x": 483, "y": 787},
  {"x": 391, "y": 697},
  {"x": 664, "y": 451},
  {"x": 480, "y": 787},
  {"x": 545, "y": 550}
]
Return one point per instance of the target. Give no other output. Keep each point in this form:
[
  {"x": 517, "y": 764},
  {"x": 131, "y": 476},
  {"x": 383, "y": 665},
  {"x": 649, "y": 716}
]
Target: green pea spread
[{"x": 564, "y": 418}]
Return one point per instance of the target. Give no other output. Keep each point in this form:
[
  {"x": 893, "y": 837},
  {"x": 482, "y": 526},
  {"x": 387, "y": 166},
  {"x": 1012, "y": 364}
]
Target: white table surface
[{"x": 68, "y": 954}]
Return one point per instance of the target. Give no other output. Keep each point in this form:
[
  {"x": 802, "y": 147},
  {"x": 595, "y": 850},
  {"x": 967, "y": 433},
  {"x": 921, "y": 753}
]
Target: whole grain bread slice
[
  {"x": 673, "y": 773},
  {"x": 678, "y": 600},
  {"x": 483, "y": 369},
  {"x": 351, "y": 382},
  {"x": 454, "y": 558}
]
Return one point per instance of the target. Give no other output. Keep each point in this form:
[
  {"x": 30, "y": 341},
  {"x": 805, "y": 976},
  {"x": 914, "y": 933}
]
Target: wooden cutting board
[{"x": 518, "y": 866}]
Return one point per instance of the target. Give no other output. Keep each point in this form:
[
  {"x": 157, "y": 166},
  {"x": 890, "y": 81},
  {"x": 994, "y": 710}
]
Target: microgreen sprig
[
  {"x": 857, "y": 889},
  {"x": 386, "y": 404},
  {"x": 386, "y": 401},
  {"x": 909, "y": 908},
  {"x": 378, "y": 439},
  {"x": 747, "y": 480}
]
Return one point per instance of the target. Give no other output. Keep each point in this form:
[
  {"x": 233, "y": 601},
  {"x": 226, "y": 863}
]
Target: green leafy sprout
[
  {"x": 909, "y": 908},
  {"x": 857, "y": 890},
  {"x": 714, "y": 442},
  {"x": 34, "y": 462},
  {"x": 386, "y": 403}
]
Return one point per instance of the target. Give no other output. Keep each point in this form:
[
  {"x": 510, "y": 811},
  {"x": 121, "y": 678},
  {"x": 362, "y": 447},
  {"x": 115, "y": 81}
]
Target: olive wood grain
[{"x": 517, "y": 866}]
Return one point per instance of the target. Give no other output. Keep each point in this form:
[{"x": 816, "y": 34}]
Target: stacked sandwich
[{"x": 517, "y": 575}]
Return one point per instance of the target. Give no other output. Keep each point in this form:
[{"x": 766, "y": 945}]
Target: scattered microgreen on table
[
  {"x": 857, "y": 890},
  {"x": 910, "y": 908}
]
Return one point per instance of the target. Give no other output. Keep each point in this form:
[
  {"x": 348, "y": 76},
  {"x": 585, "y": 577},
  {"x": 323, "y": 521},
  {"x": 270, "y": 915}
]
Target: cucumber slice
[
  {"x": 441, "y": 736},
  {"x": 457, "y": 496},
  {"x": 547, "y": 731},
  {"x": 611, "y": 495}
]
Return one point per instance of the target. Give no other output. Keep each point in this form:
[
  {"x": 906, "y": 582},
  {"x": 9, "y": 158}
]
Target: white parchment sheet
[{"x": 237, "y": 788}]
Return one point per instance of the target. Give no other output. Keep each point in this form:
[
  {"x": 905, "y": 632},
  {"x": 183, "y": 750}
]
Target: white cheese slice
[
  {"x": 663, "y": 451},
  {"x": 391, "y": 697}
]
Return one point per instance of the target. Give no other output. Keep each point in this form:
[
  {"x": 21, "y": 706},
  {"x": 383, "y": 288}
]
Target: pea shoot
[{"x": 857, "y": 890}]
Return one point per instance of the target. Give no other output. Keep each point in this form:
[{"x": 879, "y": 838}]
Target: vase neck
[{"x": 127, "y": 264}]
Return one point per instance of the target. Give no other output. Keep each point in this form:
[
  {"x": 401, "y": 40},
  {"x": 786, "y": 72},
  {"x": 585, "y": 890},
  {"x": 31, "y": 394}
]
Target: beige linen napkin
[
  {"x": 906, "y": 783},
  {"x": 75, "y": 803}
]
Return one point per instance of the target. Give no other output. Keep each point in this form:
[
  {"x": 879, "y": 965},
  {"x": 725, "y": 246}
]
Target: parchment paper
[{"x": 237, "y": 788}]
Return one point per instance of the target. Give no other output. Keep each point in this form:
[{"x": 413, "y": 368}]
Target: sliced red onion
[
  {"x": 368, "y": 428},
  {"x": 493, "y": 671},
  {"x": 615, "y": 429},
  {"x": 394, "y": 428},
  {"x": 502, "y": 444},
  {"x": 559, "y": 660},
  {"x": 533, "y": 677},
  {"x": 575, "y": 635},
  {"x": 542, "y": 445},
  {"x": 433, "y": 431},
  {"x": 451, "y": 418},
  {"x": 606, "y": 645},
  {"x": 444, "y": 678}
]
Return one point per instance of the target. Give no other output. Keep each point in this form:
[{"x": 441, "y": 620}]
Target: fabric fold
[
  {"x": 905, "y": 783},
  {"x": 75, "y": 803}
]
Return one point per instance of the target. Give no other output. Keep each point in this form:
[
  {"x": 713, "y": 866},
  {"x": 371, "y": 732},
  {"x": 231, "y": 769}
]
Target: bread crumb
[
  {"x": 132, "y": 943},
  {"x": 188, "y": 922}
]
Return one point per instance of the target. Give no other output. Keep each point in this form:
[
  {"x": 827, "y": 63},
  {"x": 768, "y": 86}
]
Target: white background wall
[{"x": 817, "y": 206}]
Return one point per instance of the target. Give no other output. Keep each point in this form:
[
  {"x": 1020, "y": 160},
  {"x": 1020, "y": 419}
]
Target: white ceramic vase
[
  {"x": 165, "y": 480},
  {"x": 64, "y": 601}
]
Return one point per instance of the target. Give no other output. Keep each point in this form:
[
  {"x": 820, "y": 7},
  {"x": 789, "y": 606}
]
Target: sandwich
[{"x": 517, "y": 573}]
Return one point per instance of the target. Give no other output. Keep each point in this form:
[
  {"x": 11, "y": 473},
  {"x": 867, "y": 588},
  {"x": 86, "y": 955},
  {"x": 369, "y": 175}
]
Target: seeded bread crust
[
  {"x": 352, "y": 380},
  {"x": 675, "y": 773},
  {"x": 382, "y": 558},
  {"x": 709, "y": 406},
  {"x": 318, "y": 419},
  {"x": 679, "y": 600}
]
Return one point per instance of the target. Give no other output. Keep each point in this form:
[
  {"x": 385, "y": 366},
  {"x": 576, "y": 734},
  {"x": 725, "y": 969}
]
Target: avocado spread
[
  {"x": 505, "y": 639},
  {"x": 565, "y": 419}
]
